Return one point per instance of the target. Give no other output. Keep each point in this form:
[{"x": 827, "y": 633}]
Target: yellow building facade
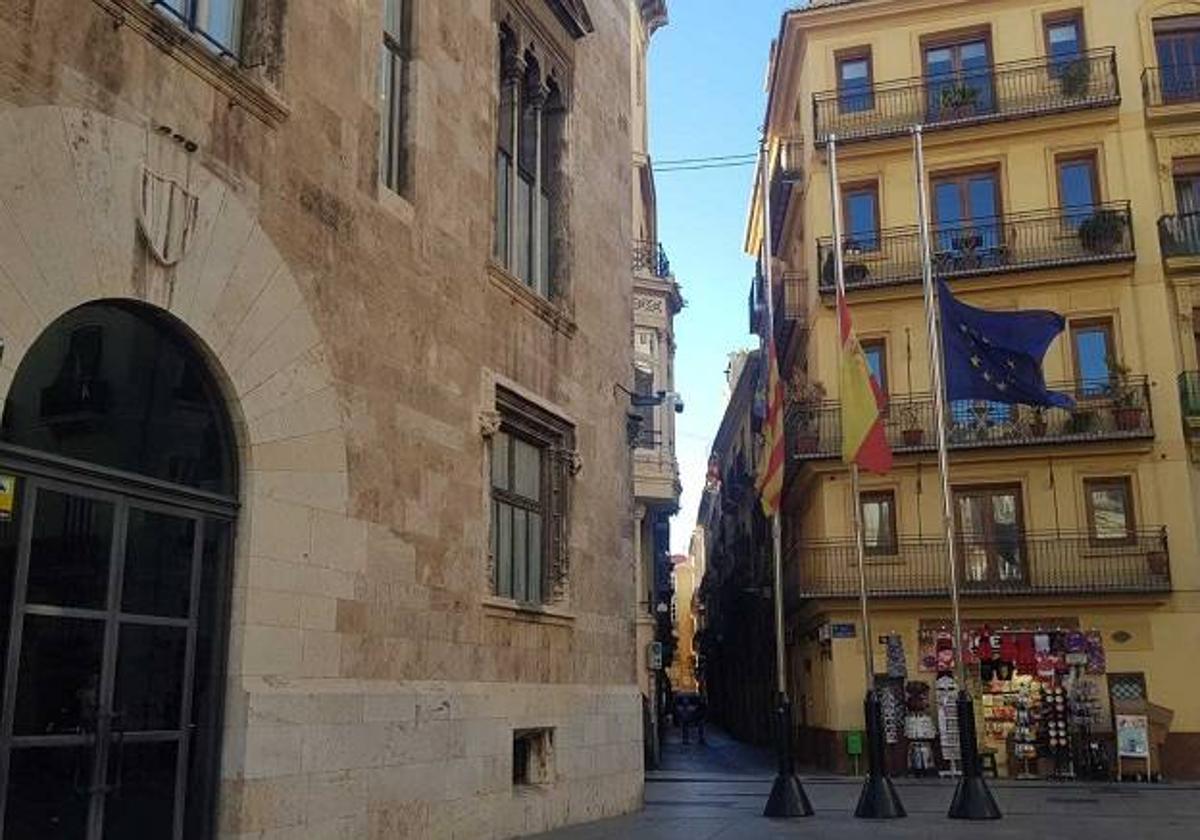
[{"x": 1062, "y": 143}]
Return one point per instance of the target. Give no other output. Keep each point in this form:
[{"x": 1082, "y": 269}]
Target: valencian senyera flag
[
  {"x": 770, "y": 480},
  {"x": 863, "y": 439},
  {"x": 997, "y": 356}
]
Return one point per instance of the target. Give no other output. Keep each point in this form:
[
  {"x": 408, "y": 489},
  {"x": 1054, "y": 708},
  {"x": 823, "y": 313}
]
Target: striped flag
[
  {"x": 770, "y": 482},
  {"x": 863, "y": 439}
]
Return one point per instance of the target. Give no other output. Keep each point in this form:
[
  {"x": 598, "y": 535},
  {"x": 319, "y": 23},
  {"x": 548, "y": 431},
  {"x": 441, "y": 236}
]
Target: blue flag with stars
[{"x": 997, "y": 356}]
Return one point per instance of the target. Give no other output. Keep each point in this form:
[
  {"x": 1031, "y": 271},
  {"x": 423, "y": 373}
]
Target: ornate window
[
  {"x": 532, "y": 459},
  {"x": 529, "y": 213}
]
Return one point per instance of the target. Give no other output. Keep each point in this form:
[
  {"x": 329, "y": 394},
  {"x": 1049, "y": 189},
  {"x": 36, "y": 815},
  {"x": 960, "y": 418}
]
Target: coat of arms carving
[{"x": 166, "y": 216}]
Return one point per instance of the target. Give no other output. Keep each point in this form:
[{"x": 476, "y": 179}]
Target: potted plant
[
  {"x": 806, "y": 400},
  {"x": 1157, "y": 562},
  {"x": 1127, "y": 406},
  {"x": 958, "y": 100},
  {"x": 1083, "y": 420},
  {"x": 1037, "y": 423},
  {"x": 1075, "y": 78},
  {"x": 911, "y": 431},
  {"x": 1102, "y": 232}
]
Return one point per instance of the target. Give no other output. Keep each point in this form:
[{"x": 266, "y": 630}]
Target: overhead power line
[
  {"x": 693, "y": 168},
  {"x": 713, "y": 159}
]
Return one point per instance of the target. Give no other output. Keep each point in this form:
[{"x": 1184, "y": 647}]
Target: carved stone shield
[{"x": 166, "y": 216}]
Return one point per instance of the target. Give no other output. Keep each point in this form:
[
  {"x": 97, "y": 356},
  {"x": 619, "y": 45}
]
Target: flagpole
[
  {"x": 787, "y": 798},
  {"x": 972, "y": 799},
  {"x": 878, "y": 799}
]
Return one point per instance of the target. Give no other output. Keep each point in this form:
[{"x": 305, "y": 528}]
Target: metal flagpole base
[
  {"x": 878, "y": 800},
  {"x": 972, "y": 799},
  {"x": 788, "y": 799}
]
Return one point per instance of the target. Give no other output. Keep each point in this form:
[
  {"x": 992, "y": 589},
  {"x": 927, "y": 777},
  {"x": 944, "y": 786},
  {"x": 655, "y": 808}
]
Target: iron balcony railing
[
  {"x": 789, "y": 310},
  {"x": 1104, "y": 411},
  {"x": 650, "y": 258},
  {"x": 1007, "y": 91},
  {"x": 1015, "y": 564},
  {"x": 1178, "y": 84},
  {"x": 787, "y": 173},
  {"x": 1026, "y": 241},
  {"x": 1179, "y": 236}
]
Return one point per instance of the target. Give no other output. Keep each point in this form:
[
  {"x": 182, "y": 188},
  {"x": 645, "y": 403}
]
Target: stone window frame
[
  {"x": 250, "y": 79},
  {"x": 534, "y": 66},
  {"x": 521, "y": 416}
]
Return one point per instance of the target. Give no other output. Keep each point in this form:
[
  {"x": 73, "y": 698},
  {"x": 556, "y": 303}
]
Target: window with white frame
[
  {"x": 529, "y": 139},
  {"x": 393, "y": 89},
  {"x": 531, "y": 457},
  {"x": 218, "y": 23}
]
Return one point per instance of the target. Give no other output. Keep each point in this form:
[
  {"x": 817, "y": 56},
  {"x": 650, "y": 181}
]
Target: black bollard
[
  {"x": 787, "y": 798},
  {"x": 972, "y": 799},
  {"x": 878, "y": 800}
]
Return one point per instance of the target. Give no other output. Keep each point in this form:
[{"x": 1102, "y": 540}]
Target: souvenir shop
[{"x": 1040, "y": 703}]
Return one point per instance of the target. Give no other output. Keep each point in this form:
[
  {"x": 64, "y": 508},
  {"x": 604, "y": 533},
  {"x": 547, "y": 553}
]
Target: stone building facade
[{"x": 314, "y": 482}]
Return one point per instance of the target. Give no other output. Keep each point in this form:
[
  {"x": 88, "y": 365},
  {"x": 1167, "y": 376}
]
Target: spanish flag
[
  {"x": 770, "y": 483},
  {"x": 863, "y": 440}
]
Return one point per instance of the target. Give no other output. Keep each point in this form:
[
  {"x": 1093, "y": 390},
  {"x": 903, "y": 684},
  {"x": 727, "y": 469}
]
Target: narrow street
[{"x": 718, "y": 791}]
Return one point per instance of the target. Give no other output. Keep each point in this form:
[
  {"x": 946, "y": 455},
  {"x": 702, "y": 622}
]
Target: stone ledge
[
  {"x": 506, "y": 608},
  {"x": 230, "y": 79},
  {"x": 552, "y": 313}
]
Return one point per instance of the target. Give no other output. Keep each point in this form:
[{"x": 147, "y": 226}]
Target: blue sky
[{"x": 707, "y": 73}]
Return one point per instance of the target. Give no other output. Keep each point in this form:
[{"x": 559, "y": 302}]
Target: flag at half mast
[
  {"x": 770, "y": 480},
  {"x": 863, "y": 439}
]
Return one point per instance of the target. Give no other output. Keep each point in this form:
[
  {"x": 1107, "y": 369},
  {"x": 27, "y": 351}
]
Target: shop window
[
  {"x": 393, "y": 92},
  {"x": 1110, "y": 509},
  {"x": 530, "y": 464},
  {"x": 878, "y": 511},
  {"x": 855, "y": 79},
  {"x": 860, "y": 212},
  {"x": 1092, "y": 345}
]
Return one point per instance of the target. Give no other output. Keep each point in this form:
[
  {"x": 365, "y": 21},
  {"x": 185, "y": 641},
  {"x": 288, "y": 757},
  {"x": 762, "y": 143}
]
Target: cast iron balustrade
[
  {"x": 1009, "y": 91},
  {"x": 1027, "y": 241},
  {"x": 1104, "y": 411},
  {"x": 650, "y": 258},
  {"x": 1022, "y": 564},
  {"x": 1178, "y": 84},
  {"x": 787, "y": 172},
  {"x": 1179, "y": 236},
  {"x": 789, "y": 310}
]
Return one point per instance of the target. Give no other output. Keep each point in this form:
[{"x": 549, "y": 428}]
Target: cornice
[{"x": 654, "y": 15}]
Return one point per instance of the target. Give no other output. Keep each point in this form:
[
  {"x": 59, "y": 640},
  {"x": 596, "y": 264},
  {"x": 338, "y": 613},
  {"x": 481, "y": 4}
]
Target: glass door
[
  {"x": 1177, "y": 42},
  {"x": 101, "y": 641},
  {"x": 992, "y": 537},
  {"x": 958, "y": 80}
]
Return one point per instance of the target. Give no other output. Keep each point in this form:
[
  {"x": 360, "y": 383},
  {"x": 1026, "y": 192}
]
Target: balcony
[
  {"x": 1164, "y": 87},
  {"x": 655, "y": 470},
  {"x": 1040, "y": 239},
  {"x": 787, "y": 172},
  {"x": 1010, "y": 91},
  {"x": 1050, "y": 564},
  {"x": 1179, "y": 238},
  {"x": 650, "y": 258},
  {"x": 1103, "y": 412}
]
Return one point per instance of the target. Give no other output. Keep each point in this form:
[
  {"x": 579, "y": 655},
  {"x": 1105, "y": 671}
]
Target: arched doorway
[{"x": 118, "y": 492}]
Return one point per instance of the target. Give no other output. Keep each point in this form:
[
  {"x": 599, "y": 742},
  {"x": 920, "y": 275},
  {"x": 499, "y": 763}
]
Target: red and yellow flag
[
  {"x": 770, "y": 482},
  {"x": 863, "y": 439}
]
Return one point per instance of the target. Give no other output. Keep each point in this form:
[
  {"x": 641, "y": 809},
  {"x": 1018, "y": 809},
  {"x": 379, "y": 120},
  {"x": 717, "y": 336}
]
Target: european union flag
[{"x": 997, "y": 356}]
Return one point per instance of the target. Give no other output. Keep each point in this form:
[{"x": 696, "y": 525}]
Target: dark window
[
  {"x": 855, "y": 81},
  {"x": 878, "y": 510},
  {"x": 861, "y": 212},
  {"x": 530, "y": 462},
  {"x": 1092, "y": 343},
  {"x": 393, "y": 82},
  {"x": 992, "y": 533},
  {"x": 958, "y": 78},
  {"x": 643, "y": 385},
  {"x": 116, "y": 385},
  {"x": 1177, "y": 44},
  {"x": 218, "y": 23},
  {"x": 1110, "y": 509},
  {"x": 1078, "y": 187}
]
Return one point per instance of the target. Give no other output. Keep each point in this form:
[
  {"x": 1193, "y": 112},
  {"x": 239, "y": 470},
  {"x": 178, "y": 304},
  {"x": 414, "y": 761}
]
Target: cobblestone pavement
[{"x": 718, "y": 790}]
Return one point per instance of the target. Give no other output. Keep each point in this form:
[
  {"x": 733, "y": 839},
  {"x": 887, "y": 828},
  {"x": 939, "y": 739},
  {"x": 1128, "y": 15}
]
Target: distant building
[{"x": 683, "y": 619}]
